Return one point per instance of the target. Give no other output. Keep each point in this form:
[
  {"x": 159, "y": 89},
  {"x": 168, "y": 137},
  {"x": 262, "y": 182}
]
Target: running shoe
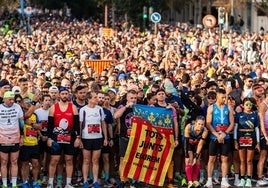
[
  {"x": 190, "y": 184},
  {"x": 49, "y": 186},
  {"x": 215, "y": 181},
  {"x": 69, "y": 186},
  {"x": 86, "y": 185},
  {"x": 177, "y": 179},
  {"x": 265, "y": 177},
  {"x": 107, "y": 184},
  {"x": 202, "y": 180},
  {"x": 225, "y": 185},
  {"x": 25, "y": 185},
  {"x": 261, "y": 182},
  {"x": 241, "y": 183},
  {"x": 36, "y": 184},
  {"x": 59, "y": 184},
  {"x": 196, "y": 184},
  {"x": 184, "y": 182},
  {"x": 248, "y": 183},
  {"x": 237, "y": 182},
  {"x": 96, "y": 185},
  {"x": 208, "y": 185}
]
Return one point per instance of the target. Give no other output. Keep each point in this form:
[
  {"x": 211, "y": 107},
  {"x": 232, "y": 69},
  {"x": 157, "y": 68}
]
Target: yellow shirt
[{"x": 30, "y": 137}]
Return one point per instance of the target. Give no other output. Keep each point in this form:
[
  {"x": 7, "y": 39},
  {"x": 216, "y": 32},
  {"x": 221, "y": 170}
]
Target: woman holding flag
[{"x": 195, "y": 135}]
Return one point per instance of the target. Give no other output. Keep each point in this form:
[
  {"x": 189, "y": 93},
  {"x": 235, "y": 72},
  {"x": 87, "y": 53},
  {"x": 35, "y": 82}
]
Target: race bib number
[
  {"x": 31, "y": 133},
  {"x": 193, "y": 141},
  {"x": 65, "y": 139},
  {"x": 44, "y": 125},
  {"x": 221, "y": 128},
  {"x": 93, "y": 128},
  {"x": 245, "y": 141}
]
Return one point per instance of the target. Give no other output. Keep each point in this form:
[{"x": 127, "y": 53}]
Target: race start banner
[{"x": 150, "y": 148}]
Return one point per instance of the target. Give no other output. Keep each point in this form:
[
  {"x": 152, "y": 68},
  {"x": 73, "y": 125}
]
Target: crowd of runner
[{"x": 60, "y": 116}]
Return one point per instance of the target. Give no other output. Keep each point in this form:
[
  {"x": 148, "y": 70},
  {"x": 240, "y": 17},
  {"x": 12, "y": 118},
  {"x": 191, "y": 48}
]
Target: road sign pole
[
  {"x": 156, "y": 28},
  {"x": 220, "y": 27},
  {"x": 144, "y": 24}
]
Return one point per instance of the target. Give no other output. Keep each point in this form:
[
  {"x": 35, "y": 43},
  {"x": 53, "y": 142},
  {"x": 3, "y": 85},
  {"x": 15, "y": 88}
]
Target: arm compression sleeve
[
  {"x": 76, "y": 124},
  {"x": 235, "y": 131},
  {"x": 21, "y": 123},
  {"x": 50, "y": 126},
  {"x": 257, "y": 130}
]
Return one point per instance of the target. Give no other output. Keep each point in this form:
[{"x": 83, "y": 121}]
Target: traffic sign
[
  {"x": 209, "y": 21},
  {"x": 156, "y": 17},
  {"x": 28, "y": 11}
]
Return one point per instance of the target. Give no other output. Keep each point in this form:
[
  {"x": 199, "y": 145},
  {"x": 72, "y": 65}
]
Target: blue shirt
[
  {"x": 108, "y": 116},
  {"x": 220, "y": 116},
  {"x": 247, "y": 121}
]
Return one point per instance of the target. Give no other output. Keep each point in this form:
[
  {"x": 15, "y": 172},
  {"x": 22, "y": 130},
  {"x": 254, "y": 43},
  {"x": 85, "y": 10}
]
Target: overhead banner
[
  {"x": 150, "y": 147},
  {"x": 99, "y": 65}
]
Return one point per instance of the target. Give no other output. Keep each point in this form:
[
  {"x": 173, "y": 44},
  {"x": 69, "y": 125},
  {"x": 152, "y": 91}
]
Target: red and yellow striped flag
[
  {"x": 99, "y": 65},
  {"x": 149, "y": 152}
]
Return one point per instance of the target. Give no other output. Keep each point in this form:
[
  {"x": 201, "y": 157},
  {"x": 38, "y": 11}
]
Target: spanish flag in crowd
[{"x": 150, "y": 146}]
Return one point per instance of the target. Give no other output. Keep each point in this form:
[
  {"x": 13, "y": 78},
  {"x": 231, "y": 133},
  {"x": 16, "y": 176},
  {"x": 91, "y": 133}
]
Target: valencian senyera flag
[{"x": 151, "y": 145}]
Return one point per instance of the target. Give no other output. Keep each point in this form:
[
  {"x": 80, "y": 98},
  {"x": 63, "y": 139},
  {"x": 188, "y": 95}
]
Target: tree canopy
[{"x": 132, "y": 9}]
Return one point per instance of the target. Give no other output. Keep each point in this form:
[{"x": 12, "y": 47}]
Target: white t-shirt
[
  {"x": 9, "y": 123},
  {"x": 91, "y": 119},
  {"x": 42, "y": 114},
  {"x": 42, "y": 117}
]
